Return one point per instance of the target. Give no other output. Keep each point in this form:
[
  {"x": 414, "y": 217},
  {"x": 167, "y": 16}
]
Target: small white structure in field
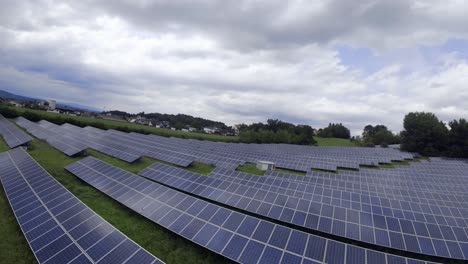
[
  {"x": 265, "y": 165},
  {"x": 52, "y": 105}
]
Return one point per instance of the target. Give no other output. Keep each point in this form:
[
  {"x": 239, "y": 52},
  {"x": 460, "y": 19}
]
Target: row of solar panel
[
  {"x": 73, "y": 140},
  {"x": 404, "y": 208},
  {"x": 226, "y": 149},
  {"x": 12, "y": 135},
  {"x": 51, "y": 133},
  {"x": 60, "y": 228},
  {"x": 130, "y": 147},
  {"x": 403, "y": 178},
  {"x": 367, "y": 227},
  {"x": 440, "y": 202},
  {"x": 242, "y": 238},
  {"x": 408, "y": 202}
]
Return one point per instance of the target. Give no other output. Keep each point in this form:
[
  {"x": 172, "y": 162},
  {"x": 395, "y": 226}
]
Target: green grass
[
  {"x": 164, "y": 244},
  {"x": 3, "y": 145},
  {"x": 198, "y": 167},
  {"x": 251, "y": 168},
  {"x": 113, "y": 124},
  {"x": 134, "y": 167},
  {"x": 338, "y": 142}
]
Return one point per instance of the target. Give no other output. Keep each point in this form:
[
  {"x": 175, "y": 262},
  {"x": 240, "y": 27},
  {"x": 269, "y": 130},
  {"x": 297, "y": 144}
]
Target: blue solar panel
[
  {"x": 286, "y": 203},
  {"x": 59, "y": 228},
  {"x": 12, "y": 135},
  {"x": 52, "y": 134},
  {"x": 229, "y": 233}
]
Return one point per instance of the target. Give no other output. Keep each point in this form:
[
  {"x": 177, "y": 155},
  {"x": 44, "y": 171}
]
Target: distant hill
[
  {"x": 178, "y": 121},
  {"x": 78, "y": 106},
  {"x": 16, "y": 97},
  {"x": 9, "y": 95}
]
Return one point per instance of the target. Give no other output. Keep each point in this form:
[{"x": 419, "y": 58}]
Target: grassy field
[
  {"x": 3, "y": 145},
  {"x": 164, "y": 244},
  {"x": 335, "y": 142},
  {"x": 251, "y": 168}
]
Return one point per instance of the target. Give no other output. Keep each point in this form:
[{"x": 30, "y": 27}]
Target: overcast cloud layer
[{"x": 313, "y": 62}]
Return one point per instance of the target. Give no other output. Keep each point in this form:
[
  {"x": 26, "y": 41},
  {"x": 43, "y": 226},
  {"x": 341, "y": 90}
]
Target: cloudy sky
[{"x": 357, "y": 62}]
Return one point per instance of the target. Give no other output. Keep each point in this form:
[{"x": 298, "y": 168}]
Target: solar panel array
[
  {"x": 240, "y": 237},
  {"x": 12, "y": 135},
  {"x": 58, "y": 227},
  {"x": 425, "y": 222},
  {"x": 420, "y": 209},
  {"x": 53, "y": 135},
  {"x": 182, "y": 152}
]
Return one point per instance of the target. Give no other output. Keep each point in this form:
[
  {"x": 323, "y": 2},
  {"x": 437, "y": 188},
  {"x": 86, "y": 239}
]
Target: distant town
[{"x": 179, "y": 122}]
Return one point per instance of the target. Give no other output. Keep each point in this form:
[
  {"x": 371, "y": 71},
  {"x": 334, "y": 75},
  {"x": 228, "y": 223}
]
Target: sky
[{"x": 307, "y": 62}]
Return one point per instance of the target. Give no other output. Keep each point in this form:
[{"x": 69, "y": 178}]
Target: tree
[
  {"x": 458, "y": 139},
  {"x": 276, "y": 131},
  {"x": 378, "y": 135},
  {"x": 424, "y": 133},
  {"x": 335, "y": 130}
]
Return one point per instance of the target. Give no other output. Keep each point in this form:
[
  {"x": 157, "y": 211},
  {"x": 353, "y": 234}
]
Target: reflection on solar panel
[
  {"x": 59, "y": 228},
  {"x": 12, "y": 135},
  {"x": 240, "y": 237}
]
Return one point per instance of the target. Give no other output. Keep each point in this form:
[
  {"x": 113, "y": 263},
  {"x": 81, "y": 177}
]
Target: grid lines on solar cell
[
  {"x": 12, "y": 135},
  {"x": 240, "y": 237},
  {"x": 58, "y": 227},
  {"x": 321, "y": 209},
  {"x": 52, "y": 134}
]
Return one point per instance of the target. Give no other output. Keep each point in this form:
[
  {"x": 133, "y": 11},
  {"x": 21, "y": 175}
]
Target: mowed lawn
[
  {"x": 334, "y": 142},
  {"x": 164, "y": 244}
]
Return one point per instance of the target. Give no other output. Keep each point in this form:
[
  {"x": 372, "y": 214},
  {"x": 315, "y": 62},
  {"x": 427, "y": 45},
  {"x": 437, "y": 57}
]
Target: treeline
[
  {"x": 426, "y": 134},
  {"x": 335, "y": 131},
  {"x": 377, "y": 135},
  {"x": 276, "y": 131},
  {"x": 178, "y": 121}
]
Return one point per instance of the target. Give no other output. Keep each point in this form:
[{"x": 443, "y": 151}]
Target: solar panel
[
  {"x": 315, "y": 208},
  {"x": 54, "y": 136},
  {"x": 239, "y": 237},
  {"x": 32, "y": 128},
  {"x": 58, "y": 227},
  {"x": 12, "y": 135},
  {"x": 182, "y": 152}
]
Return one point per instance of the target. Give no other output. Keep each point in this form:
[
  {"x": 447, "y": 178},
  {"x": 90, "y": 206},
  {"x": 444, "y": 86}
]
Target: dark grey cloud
[{"x": 274, "y": 24}]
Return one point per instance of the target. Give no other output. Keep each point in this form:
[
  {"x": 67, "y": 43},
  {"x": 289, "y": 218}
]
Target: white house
[
  {"x": 15, "y": 104},
  {"x": 210, "y": 130}
]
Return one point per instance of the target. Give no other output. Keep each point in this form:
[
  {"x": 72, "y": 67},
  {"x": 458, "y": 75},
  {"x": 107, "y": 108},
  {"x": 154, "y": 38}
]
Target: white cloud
[{"x": 242, "y": 63}]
